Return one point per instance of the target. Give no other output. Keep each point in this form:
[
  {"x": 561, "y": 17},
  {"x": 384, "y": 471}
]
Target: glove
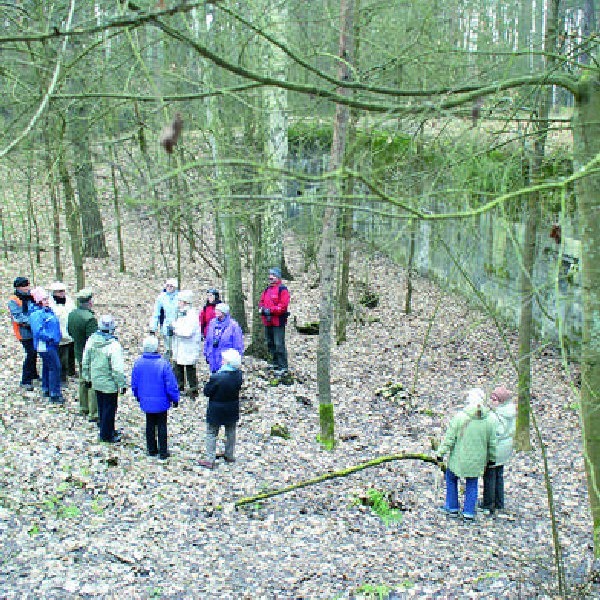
[
  {"x": 174, "y": 404},
  {"x": 266, "y": 312},
  {"x": 123, "y": 391},
  {"x": 439, "y": 459},
  {"x": 170, "y": 330},
  {"x": 87, "y": 384}
]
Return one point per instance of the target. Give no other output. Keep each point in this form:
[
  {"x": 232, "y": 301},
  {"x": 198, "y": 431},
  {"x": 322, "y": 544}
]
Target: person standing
[
  {"x": 223, "y": 409},
  {"x": 81, "y": 324},
  {"x": 207, "y": 314},
  {"x": 165, "y": 312},
  {"x": 223, "y": 333},
  {"x": 273, "y": 308},
  {"x": 45, "y": 328},
  {"x": 470, "y": 441},
  {"x": 62, "y": 305},
  {"x": 154, "y": 386},
  {"x": 504, "y": 412},
  {"x": 185, "y": 332},
  {"x": 103, "y": 370},
  {"x": 19, "y": 305}
]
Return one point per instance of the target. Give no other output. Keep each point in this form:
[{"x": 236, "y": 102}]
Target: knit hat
[
  {"x": 186, "y": 296},
  {"x": 150, "y": 344},
  {"x": 20, "y": 282},
  {"x": 232, "y": 357},
  {"x": 38, "y": 294},
  {"x": 171, "y": 281},
  {"x": 222, "y": 307},
  {"x": 84, "y": 295},
  {"x": 106, "y": 323},
  {"x": 58, "y": 286},
  {"x": 213, "y": 291},
  {"x": 275, "y": 271},
  {"x": 501, "y": 394}
]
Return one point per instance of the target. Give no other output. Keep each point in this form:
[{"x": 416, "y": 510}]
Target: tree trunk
[
  {"x": 72, "y": 218},
  {"x": 587, "y": 147},
  {"x": 328, "y": 244},
  {"x": 522, "y": 435},
  {"x": 94, "y": 243},
  {"x": 410, "y": 265},
  {"x": 117, "y": 210}
]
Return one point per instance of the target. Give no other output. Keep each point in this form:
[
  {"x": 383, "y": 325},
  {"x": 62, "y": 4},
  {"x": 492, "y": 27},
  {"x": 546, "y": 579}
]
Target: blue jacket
[
  {"x": 222, "y": 335},
  {"x": 153, "y": 383},
  {"x": 45, "y": 326}
]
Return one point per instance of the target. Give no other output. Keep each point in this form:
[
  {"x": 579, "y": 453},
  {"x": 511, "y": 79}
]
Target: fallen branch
[{"x": 343, "y": 473}]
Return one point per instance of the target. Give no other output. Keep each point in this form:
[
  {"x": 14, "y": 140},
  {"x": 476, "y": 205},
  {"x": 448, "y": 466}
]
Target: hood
[
  {"x": 472, "y": 408},
  {"x": 100, "y": 339}
]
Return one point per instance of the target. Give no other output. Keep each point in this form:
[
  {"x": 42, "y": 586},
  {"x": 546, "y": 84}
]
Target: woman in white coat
[
  {"x": 186, "y": 343},
  {"x": 505, "y": 413}
]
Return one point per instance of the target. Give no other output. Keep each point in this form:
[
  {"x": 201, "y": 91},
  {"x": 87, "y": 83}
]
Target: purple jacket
[
  {"x": 222, "y": 335},
  {"x": 153, "y": 383}
]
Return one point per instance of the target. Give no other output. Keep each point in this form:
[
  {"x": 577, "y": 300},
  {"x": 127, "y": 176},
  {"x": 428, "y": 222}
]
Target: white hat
[
  {"x": 58, "y": 286},
  {"x": 222, "y": 307},
  {"x": 171, "y": 281},
  {"x": 232, "y": 357},
  {"x": 150, "y": 344}
]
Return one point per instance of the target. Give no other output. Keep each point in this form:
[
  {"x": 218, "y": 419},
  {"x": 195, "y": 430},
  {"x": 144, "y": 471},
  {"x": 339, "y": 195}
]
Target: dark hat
[
  {"x": 275, "y": 271},
  {"x": 84, "y": 295},
  {"x": 20, "y": 282}
]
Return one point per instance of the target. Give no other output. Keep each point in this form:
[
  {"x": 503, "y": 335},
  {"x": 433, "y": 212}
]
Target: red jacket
[
  {"x": 276, "y": 298},
  {"x": 207, "y": 314}
]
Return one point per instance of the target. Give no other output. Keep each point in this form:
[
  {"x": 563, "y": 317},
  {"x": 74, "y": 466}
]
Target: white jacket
[
  {"x": 506, "y": 417},
  {"x": 187, "y": 338},
  {"x": 62, "y": 312}
]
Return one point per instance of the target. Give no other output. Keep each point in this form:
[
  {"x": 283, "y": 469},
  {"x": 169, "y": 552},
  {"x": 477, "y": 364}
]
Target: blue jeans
[
  {"x": 29, "y": 364},
  {"x": 51, "y": 372},
  {"x": 452, "y": 494}
]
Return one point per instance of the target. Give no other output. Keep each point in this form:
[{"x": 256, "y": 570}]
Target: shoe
[
  {"x": 229, "y": 460},
  {"x": 164, "y": 456},
  {"x": 93, "y": 419},
  {"x": 84, "y": 413},
  {"x": 28, "y": 387},
  {"x": 45, "y": 393},
  {"x": 486, "y": 511},
  {"x": 469, "y": 518},
  {"x": 153, "y": 453},
  {"x": 57, "y": 400},
  {"x": 453, "y": 514},
  {"x": 206, "y": 464}
]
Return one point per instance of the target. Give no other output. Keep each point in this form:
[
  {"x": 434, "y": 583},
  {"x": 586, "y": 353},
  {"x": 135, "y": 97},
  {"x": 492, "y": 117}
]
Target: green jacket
[
  {"x": 102, "y": 363},
  {"x": 471, "y": 441},
  {"x": 81, "y": 323}
]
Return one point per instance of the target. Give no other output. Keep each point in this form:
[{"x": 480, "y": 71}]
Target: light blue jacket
[{"x": 169, "y": 303}]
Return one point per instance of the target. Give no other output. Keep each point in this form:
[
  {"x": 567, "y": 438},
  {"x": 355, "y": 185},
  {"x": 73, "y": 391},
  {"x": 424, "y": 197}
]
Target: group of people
[
  {"x": 479, "y": 442},
  {"x": 62, "y": 333}
]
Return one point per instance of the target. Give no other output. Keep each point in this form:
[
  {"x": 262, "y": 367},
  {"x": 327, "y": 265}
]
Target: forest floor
[{"x": 81, "y": 519}]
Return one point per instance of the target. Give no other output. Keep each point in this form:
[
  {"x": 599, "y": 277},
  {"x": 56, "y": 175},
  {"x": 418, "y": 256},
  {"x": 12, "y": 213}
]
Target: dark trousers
[
  {"x": 51, "y": 372},
  {"x": 30, "y": 363},
  {"x": 183, "y": 372},
  {"x": 493, "y": 488},
  {"x": 66, "y": 353},
  {"x": 156, "y": 423},
  {"x": 107, "y": 410},
  {"x": 275, "y": 337}
]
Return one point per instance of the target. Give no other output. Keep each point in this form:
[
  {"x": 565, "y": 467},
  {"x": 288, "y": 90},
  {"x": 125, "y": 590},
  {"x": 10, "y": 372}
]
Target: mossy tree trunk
[
  {"x": 328, "y": 243},
  {"x": 587, "y": 148}
]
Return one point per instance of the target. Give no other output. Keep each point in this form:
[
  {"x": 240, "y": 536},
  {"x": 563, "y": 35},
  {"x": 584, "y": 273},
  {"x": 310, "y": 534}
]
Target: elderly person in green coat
[
  {"x": 470, "y": 443},
  {"x": 81, "y": 324}
]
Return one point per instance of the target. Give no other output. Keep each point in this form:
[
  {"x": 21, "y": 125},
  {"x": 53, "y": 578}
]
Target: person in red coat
[
  {"x": 273, "y": 308},
  {"x": 207, "y": 314}
]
